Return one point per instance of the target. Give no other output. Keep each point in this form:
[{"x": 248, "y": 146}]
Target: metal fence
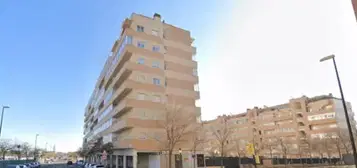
[
  {"x": 228, "y": 162},
  {"x": 277, "y": 161}
]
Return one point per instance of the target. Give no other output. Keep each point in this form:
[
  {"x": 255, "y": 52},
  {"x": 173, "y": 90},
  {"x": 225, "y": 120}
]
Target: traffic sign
[{"x": 250, "y": 149}]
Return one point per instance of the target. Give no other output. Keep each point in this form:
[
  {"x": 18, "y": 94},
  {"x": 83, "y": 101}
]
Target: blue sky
[
  {"x": 250, "y": 53},
  {"x": 52, "y": 52}
]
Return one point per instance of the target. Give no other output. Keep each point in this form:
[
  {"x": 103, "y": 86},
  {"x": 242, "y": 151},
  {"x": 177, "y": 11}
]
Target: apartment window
[
  {"x": 155, "y": 48},
  {"x": 141, "y": 44},
  {"x": 194, "y": 72},
  {"x": 155, "y": 32},
  {"x": 156, "y": 99},
  {"x": 141, "y": 96},
  {"x": 141, "y": 61},
  {"x": 141, "y": 78},
  {"x": 156, "y": 81},
  {"x": 156, "y": 64},
  {"x": 140, "y": 28},
  {"x": 128, "y": 39}
]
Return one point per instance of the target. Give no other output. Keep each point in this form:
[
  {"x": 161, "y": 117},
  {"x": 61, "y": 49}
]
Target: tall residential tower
[{"x": 152, "y": 63}]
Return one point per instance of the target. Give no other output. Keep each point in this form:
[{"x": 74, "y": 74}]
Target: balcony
[
  {"x": 183, "y": 92},
  {"x": 302, "y": 128},
  {"x": 284, "y": 117},
  {"x": 122, "y": 92},
  {"x": 299, "y": 112},
  {"x": 324, "y": 130},
  {"x": 120, "y": 125},
  {"x": 268, "y": 127},
  {"x": 117, "y": 68},
  {"x": 323, "y": 121},
  {"x": 121, "y": 109}
]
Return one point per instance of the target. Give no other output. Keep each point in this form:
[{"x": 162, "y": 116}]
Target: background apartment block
[
  {"x": 151, "y": 65},
  {"x": 294, "y": 126}
]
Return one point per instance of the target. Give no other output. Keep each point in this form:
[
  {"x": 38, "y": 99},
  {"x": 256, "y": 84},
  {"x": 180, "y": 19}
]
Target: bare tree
[
  {"x": 5, "y": 146},
  {"x": 177, "y": 125},
  {"x": 222, "y": 133},
  {"x": 284, "y": 147},
  {"x": 305, "y": 146},
  {"x": 345, "y": 140},
  {"x": 336, "y": 141},
  {"x": 270, "y": 145},
  {"x": 240, "y": 150},
  {"x": 198, "y": 140},
  {"x": 16, "y": 149},
  {"x": 317, "y": 145},
  {"x": 26, "y": 148},
  {"x": 327, "y": 146}
]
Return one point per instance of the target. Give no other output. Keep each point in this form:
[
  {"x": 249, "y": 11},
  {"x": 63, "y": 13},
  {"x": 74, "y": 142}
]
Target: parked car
[
  {"x": 27, "y": 165},
  {"x": 98, "y": 166},
  {"x": 34, "y": 165},
  {"x": 80, "y": 163},
  {"x": 85, "y": 165},
  {"x": 38, "y": 164}
]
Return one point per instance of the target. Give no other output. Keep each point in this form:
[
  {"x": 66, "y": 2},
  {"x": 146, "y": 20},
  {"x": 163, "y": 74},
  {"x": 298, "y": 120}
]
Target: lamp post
[
  {"x": 2, "y": 116},
  {"x": 35, "y": 152},
  {"x": 344, "y": 106},
  {"x": 46, "y": 147}
]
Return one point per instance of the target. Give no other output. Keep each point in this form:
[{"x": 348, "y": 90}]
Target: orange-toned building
[
  {"x": 151, "y": 63},
  {"x": 299, "y": 123}
]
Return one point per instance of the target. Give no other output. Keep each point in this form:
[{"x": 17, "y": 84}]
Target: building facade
[
  {"x": 150, "y": 66},
  {"x": 303, "y": 127},
  {"x": 354, "y": 3}
]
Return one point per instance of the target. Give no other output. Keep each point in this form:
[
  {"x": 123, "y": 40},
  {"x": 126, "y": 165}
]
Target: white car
[{"x": 88, "y": 165}]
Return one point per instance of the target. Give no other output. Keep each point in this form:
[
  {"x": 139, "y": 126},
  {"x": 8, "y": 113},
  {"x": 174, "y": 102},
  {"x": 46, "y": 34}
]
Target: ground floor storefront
[{"x": 130, "y": 158}]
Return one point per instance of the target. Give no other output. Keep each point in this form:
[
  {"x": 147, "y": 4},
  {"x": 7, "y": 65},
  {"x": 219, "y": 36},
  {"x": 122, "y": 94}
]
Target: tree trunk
[
  {"x": 3, "y": 155},
  {"x": 170, "y": 158},
  {"x": 222, "y": 145},
  {"x": 340, "y": 155},
  {"x": 194, "y": 159}
]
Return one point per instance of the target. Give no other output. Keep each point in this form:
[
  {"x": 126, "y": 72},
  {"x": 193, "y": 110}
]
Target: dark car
[{"x": 69, "y": 163}]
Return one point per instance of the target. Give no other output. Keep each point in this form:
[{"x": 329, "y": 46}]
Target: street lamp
[
  {"x": 35, "y": 152},
  {"x": 344, "y": 106},
  {"x": 2, "y": 116},
  {"x": 46, "y": 147}
]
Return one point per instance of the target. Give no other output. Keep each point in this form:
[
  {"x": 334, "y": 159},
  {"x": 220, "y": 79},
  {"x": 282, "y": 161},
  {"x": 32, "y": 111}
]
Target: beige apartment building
[
  {"x": 150, "y": 65},
  {"x": 301, "y": 127},
  {"x": 354, "y": 3}
]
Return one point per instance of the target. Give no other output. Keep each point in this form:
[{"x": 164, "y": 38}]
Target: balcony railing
[
  {"x": 119, "y": 126},
  {"x": 126, "y": 40}
]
